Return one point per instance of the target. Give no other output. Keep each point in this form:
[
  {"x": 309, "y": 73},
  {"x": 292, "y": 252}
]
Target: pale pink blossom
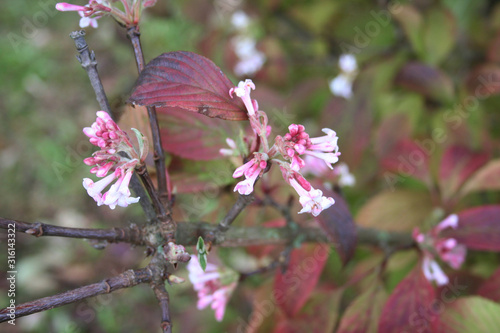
[
  {"x": 229, "y": 152},
  {"x": 243, "y": 91},
  {"x": 341, "y": 85},
  {"x": 116, "y": 155},
  {"x": 214, "y": 286},
  {"x": 312, "y": 200},
  {"x": 447, "y": 249},
  {"x": 297, "y": 142},
  {"x": 251, "y": 170},
  {"x": 433, "y": 272},
  {"x": 89, "y": 13},
  {"x": 345, "y": 178}
]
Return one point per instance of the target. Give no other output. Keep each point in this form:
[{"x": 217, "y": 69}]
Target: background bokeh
[{"x": 420, "y": 64}]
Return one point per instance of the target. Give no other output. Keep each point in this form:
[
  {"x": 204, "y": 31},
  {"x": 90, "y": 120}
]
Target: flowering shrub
[{"x": 395, "y": 161}]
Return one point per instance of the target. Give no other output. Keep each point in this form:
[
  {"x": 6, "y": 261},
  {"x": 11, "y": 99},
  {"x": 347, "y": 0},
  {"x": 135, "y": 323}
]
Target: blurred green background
[{"x": 46, "y": 100}]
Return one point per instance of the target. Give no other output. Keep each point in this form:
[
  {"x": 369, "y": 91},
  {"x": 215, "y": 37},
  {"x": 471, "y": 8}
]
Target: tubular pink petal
[{"x": 67, "y": 7}]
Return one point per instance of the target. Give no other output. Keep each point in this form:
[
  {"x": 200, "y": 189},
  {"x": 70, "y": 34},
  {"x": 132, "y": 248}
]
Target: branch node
[{"x": 36, "y": 231}]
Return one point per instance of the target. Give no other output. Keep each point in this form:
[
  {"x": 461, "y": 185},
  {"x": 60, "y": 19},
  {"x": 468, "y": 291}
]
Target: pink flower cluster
[
  {"x": 292, "y": 147},
  {"x": 214, "y": 285},
  {"x": 95, "y": 9},
  {"x": 111, "y": 140},
  {"x": 432, "y": 245}
]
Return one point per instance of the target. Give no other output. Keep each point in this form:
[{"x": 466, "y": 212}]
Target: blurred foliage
[{"x": 422, "y": 61}]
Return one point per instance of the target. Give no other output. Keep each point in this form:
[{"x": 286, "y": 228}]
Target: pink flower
[
  {"x": 312, "y": 200},
  {"x": 243, "y": 91},
  {"x": 297, "y": 142},
  {"x": 214, "y": 285},
  {"x": 448, "y": 249},
  {"x": 252, "y": 169},
  {"x": 119, "y": 194},
  {"x": 229, "y": 152},
  {"x": 345, "y": 178},
  {"x": 433, "y": 272},
  {"x": 89, "y": 13},
  {"x": 106, "y": 134}
]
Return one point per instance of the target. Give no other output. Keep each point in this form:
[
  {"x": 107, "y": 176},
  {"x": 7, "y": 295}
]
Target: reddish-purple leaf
[
  {"x": 362, "y": 315},
  {"x": 408, "y": 158},
  {"x": 192, "y": 136},
  {"x": 319, "y": 315},
  {"x": 483, "y": 81},
  {"x": 478, "y": 228},
  {"x": 486, "y": 178},
  {"x": 338, "y": 224},
  {"x": 490, "y": 289},
  {"x": 457, "y": 165},
  {"x": 393, "y": 129},
  {"x": 426, "y": 80},
  {"x": 293, "y": 288},
  {"x": 190, "y": 82},
  {"x": 407, "y": 309}
]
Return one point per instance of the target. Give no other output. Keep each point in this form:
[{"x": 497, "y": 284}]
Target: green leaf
[
  {"x": 411, "y": 22},
  {"x": 202, "y": 253},
  {"x": 399, "y": 210},
  {"x": 143, "y": 143},
  {"x": 439, "y": 35},
  {"x": 471, "y": 314}
]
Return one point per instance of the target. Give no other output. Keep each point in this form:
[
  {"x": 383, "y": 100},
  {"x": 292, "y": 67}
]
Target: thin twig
[
  {"x": 127, "y": 279},
  {"x": 241, "y": 203},
  {"x": 89, "y": 64},
  {"x": 159, "y": 156},
  {"x": 163, "y": 301},
  {"x": 133, "y": 235}
]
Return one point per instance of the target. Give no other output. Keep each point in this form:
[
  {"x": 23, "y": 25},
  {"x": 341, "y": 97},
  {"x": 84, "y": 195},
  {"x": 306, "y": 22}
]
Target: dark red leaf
[
  {"x": 188, "y": 81},
  {"x": 319, "y": 315},
  {"x": 426, "y": 80},
  {"x": 483, "y": 81},
  {"x": 490, "y": 289},
  {"x": 408, "y": 158},
  {"x": 338, "y": 224},
  {"x": 394, "y": 129},
  {"x": 362, "y": 315},
  {"x": 408, "y": 309},
  {"x": 292, "y": 289},
  {"x": 192, "y": 136},
  {"x": 457, "y": 165},
  {"x": 478, "y": 228}
]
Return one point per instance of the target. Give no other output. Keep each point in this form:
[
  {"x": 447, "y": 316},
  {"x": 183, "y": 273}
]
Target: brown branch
[
  {"x": 89, "y": 64},
  {"x": 127, "y": 279},
  {"x": 159, "y": 156},
  {"x": 241, "y": 203},
  {"x": 133, "y": 235},
  {"x": 187, "y": 233},
  {"x": 163, "y": 301}
]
